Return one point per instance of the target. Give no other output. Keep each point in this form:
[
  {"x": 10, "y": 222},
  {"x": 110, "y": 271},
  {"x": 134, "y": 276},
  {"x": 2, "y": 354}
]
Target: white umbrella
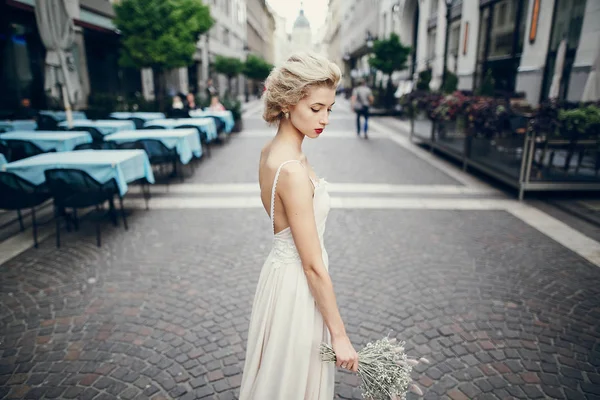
[
  {"x": 591, "y": 92},
  {"x": 559, "y": 65},
  {"x": 57, "y": 32}
]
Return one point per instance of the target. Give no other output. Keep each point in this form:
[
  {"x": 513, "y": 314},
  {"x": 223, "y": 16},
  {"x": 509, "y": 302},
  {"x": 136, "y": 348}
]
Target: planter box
[{"x": 238, "y": 126}]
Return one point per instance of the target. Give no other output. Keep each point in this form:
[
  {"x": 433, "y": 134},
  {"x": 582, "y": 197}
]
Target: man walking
[{"x": 362, "y": 98}]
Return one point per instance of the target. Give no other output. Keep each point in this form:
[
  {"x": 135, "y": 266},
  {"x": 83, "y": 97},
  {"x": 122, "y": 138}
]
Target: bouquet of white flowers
[{"x": 384, "y": 369}]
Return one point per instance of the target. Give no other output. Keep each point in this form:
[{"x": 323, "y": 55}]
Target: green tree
[
  {"x": 160, "y": 34},
  {"x": 389, "y": 56},
  {"x": 451, "y": 83},
  {"x": 424, "y": 80},
  {"x": 256, "y": 68},
  {"x": 230, "y": 67}
]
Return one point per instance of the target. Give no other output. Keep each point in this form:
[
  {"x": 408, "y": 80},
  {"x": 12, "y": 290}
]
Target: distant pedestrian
[
  {"x": 177, "y": 103},
  {"x": 215, "y": 104},
  {"x": 210, "y": 89},
  {"x": 191, "y": 102},
  {"x": 362, "y": 98}
]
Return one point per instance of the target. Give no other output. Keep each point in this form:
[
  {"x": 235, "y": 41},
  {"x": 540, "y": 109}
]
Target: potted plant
[{"x": 235, "y": 106}]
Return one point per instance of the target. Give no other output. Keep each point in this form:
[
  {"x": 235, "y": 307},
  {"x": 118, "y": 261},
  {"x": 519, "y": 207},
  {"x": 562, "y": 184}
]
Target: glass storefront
[
  {"x": 501, "y": 36},
  {"x": 21, "y": 65},
  {"x": 567, "y": 22}
]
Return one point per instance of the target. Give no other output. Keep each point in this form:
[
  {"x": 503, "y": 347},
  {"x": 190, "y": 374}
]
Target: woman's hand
[{"x": 345, "y": 355}]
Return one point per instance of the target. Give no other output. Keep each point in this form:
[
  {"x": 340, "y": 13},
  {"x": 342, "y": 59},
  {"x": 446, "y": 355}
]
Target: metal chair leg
[
  {"x": 35, "y": 241},
  {"x": 113, "y": 212},
  {"x": 123, "y": 213},
  {"x": 20, "y": 220},
  {"x": 57, "y": 214},
  {"x": 75, "y": 220}
]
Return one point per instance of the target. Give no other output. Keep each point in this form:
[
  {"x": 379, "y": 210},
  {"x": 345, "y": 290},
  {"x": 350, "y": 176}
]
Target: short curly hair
[{"x": 291, "y": 82}]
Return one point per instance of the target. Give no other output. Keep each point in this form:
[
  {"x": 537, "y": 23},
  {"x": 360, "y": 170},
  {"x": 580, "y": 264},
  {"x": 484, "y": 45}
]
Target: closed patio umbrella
[
  {"x": 57, "y": 32},
  {"x": 559, "y": 65},
  {"x": 591, "y": 92}
]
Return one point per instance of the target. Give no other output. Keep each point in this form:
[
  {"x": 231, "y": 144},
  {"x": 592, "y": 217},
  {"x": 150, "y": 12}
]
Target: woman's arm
[{"x": 296, "y": 194}]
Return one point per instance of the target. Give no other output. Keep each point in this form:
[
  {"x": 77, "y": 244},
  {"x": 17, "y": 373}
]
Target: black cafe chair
[
  {"x": 73, "y": 188},
  {"x": 18, "y": 194}
]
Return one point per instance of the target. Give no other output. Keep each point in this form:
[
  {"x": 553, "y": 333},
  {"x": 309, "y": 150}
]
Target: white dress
[{"x": 286, "y": 327}]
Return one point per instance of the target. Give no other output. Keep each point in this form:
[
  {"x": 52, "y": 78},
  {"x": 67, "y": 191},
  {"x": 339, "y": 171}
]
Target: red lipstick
[{"x": 318, "y": 131}]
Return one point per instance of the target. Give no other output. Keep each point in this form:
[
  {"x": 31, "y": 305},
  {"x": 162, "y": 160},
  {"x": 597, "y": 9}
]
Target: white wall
[
  {"x": 440, "y": 41},
  {"x": 533, "y": 59},
  {"x": 467, "y": 62},
  {"x": 589, "y": 45},
  {"x": 422, "y": 41}
]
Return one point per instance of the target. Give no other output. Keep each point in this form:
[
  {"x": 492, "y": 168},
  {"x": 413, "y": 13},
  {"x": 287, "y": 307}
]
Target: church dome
[{"x": 301, "y": 21}]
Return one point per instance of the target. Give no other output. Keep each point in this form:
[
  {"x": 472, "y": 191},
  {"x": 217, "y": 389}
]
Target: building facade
[
  {"x": 281, "y": 40},
  {"x": 260, "y": 27},
  {"x": 95, "y": 54},
  {"x": 332, "y": 38},
  {"x": 302, "y": 37},
  {"x": 515, "y": 41},
  {"x": 359, "y": 26}
]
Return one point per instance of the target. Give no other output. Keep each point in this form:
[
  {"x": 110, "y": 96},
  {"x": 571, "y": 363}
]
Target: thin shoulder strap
[{"x": 274, "y": 189}]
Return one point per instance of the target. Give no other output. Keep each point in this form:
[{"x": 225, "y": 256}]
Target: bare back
[{"x": 272, "y": 156}]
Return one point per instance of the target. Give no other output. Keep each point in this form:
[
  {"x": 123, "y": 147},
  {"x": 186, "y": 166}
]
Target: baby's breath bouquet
[{"x": 384, "y": 369}]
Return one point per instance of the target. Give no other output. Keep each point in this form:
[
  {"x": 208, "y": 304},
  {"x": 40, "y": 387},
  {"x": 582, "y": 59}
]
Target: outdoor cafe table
[
  {"x": 185, "y": 141},
  {"x": 125, "y": 166},
  {"x": 49, "y": 140},
  {"x": 226, "y": 116},
  {"x": 206, "y": 125},
  {"x": 18, "y": 125},
  {"x": 146, "y": 116},
  {"x": 105, "y": 126}
]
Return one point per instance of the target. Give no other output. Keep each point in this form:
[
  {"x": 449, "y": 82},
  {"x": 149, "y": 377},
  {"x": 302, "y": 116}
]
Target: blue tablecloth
[
  {"x": 50, "y": 140},
  {"x": 146, "y": 116},
  {"x": 18, "y": 125},
  {"x": 206, "y": 125},
  {"x": 103, "y": 165},
  {"x": 62, "y": 115},
  {"x": 185, "y": 141},
  {"x": 226, "y": 116},
  {"x": 2, "y": 159},
  {"x": 105, "y": 126}
]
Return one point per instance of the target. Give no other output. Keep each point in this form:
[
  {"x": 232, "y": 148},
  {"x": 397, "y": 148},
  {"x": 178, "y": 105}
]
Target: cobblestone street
[{"x": 503, "y": 299}]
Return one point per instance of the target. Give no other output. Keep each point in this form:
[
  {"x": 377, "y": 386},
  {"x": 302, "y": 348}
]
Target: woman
[
  {"x": 215, "y": 104},
  {"x": 294, "y": 308}
]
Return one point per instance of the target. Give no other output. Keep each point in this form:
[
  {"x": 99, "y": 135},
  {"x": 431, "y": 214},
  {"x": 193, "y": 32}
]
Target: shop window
[
  {"x": 500, "y": 42},
  {"x": 567, "y": 22}
]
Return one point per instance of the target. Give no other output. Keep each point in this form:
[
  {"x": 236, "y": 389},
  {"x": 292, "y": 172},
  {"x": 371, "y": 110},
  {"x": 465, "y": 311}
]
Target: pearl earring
[{"x": 287, "y": 115}]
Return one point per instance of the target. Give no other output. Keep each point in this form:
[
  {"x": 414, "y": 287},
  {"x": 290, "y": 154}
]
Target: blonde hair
[{"x": 291, "y": 82}]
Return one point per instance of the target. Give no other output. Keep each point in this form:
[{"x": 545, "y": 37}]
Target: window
[
  {"x": 567, "y": 23},
  {"x": 433, "y": 8},
  {"x": 454, "y": 39},
  {"x": 431, "y": 36},
  {"x": 500, "y": 42}
]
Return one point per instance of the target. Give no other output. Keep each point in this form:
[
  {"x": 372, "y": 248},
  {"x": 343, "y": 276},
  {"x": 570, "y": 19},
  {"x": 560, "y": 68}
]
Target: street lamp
[
  {"x": 448, "y": 9},
  {"x": 369, "y": 40},
  {"x": 395, "y": 12}
]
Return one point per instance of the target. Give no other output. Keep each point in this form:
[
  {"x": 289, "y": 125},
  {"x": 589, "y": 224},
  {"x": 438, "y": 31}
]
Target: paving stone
[{"x": 168, "y": 312}]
